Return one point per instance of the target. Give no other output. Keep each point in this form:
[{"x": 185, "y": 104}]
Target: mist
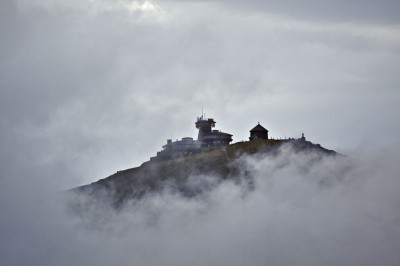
[
  {"x": 105, "y": 83},
  {"x": 302, "y": 210},
  {"x": 89, "y": 88}
]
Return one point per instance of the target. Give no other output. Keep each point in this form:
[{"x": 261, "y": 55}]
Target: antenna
[{"x": 201, "y": 112}]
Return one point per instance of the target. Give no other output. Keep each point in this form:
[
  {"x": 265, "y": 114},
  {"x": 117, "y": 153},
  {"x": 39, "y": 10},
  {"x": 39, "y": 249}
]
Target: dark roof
[{"x": 259, "y": 128}]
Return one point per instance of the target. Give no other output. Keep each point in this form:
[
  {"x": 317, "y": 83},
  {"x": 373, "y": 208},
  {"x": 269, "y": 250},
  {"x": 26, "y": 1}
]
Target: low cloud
[
  {"x": 89, "y": 88},
  {"x": 302, "y": 210}
]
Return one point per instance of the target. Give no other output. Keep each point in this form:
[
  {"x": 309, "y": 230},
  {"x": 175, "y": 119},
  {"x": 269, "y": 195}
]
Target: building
[
  {"x": 258, "y": 132},
  {"x": 186, "y": 145},
  {"x": 178, "y": 148},
  {"x": 209, "y": 137}
]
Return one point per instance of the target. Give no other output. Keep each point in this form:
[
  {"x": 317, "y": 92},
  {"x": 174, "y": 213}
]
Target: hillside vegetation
[{"x": 178, "y": 174}]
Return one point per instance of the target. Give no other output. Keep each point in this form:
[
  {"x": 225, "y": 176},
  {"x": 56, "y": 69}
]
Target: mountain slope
[{"x": 179, "y": 175}]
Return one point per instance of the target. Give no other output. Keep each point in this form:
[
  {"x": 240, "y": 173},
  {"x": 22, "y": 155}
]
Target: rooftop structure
[
  {"x": 204, "y": 126},
  {"x": 258, "y": 132},
  {"x": 209, "y": 137}
]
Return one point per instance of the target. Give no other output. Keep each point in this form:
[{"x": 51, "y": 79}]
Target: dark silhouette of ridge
[{"x": 176, "y": 174}]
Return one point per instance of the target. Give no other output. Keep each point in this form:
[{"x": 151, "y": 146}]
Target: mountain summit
[{"x": 181, "y": 163}]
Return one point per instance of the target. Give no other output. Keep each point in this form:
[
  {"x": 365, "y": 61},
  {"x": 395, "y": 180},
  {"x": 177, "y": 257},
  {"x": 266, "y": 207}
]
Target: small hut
[{"x": 258, "y": 132}]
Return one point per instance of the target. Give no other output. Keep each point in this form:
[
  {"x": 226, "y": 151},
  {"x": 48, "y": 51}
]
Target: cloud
[
  {"x": 325, "y": 10},
  {"x": 89, "y": 88},
  {"x": 302, "y": 210},
  {"x": 92, "y": 78}
]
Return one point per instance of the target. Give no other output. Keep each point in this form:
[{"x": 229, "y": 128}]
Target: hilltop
[{"x": 179, "y": 174}]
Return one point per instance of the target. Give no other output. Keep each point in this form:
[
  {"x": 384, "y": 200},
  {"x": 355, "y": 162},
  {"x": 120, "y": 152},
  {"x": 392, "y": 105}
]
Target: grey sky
[
  {"x": 367, "y": 11},
  {"x": 92, "y": 87},
  {"x": 99, "y": 86}
]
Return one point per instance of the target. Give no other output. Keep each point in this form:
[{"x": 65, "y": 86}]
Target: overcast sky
[{"x": 92, "y": 87}]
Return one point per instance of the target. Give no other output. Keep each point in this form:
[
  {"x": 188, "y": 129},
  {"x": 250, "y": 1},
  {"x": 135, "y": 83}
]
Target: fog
[
  {"x": 302, "y": 211},
  {"x": 92, "y": 87},
  {"x": 98, "y": 86}
]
